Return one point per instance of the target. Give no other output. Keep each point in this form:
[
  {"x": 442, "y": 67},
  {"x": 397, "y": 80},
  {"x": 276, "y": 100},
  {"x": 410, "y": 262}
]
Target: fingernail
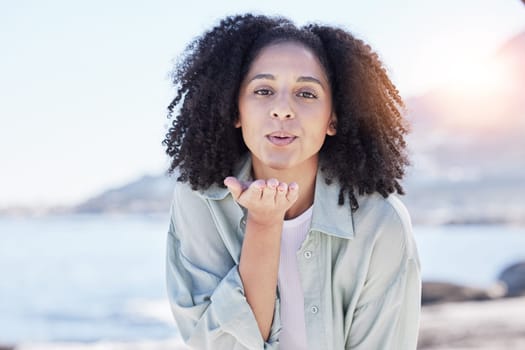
[{"x": 260, "y": 184}]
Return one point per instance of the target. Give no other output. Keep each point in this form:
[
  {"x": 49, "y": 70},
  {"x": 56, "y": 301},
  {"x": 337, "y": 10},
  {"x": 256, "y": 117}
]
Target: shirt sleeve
[
  {"x": 204, "y": 286},
  {"x": 388, "y": 310}
]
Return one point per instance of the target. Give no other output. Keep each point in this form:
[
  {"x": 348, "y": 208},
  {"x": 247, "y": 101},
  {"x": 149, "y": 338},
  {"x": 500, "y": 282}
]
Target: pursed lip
[{"x": 281, "y": 138}]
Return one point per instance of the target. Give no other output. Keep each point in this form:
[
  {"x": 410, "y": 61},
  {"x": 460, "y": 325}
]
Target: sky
[{"x": 84, "y": 85}]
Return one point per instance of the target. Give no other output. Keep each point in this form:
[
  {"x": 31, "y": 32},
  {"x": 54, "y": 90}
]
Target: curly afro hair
[{"x": 368, "y": 153}]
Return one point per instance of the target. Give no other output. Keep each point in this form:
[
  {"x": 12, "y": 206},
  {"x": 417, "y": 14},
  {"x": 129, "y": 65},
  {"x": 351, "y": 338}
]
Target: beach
[{"x": 481, "y": 325}]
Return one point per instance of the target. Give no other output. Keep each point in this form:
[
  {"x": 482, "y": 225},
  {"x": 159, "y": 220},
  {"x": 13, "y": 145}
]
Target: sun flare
[
  {"x": 479, "y": 79},
  {"x": 474, "y": 93}
]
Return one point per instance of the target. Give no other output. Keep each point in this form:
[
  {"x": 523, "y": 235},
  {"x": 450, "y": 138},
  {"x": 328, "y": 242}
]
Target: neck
[{"x": 304, "y": 175}]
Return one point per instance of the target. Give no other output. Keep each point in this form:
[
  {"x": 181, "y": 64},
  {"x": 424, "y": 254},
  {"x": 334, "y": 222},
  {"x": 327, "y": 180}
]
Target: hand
[{"x": 266, "y": 201}]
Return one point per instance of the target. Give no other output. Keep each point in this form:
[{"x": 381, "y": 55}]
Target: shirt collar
[{"x": 328, "y": 216}]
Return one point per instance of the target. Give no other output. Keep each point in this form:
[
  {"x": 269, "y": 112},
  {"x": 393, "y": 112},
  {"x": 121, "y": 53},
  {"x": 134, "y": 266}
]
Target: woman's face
[{"x": 285, "y": 107}]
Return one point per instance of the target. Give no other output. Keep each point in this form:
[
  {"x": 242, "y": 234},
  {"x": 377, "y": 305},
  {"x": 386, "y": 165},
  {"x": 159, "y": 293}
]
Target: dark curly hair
[{"x": 368, "y": 153}]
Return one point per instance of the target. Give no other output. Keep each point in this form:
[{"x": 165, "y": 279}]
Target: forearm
[
  {"x": 258, "y": 268},
  {"x": 267, "y": 203}
]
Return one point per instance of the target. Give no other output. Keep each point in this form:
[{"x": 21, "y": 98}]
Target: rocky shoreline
[
  {"x": 457, "y": 317},
  {"x": 481, "y": 325}
]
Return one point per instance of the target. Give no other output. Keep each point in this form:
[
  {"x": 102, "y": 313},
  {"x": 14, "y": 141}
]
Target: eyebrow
[{"x": 302, "y": 79}]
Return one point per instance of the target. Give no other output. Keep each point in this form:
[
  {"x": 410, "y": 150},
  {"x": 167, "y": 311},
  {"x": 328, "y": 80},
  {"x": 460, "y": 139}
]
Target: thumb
[{"x": 234, "y": 186}]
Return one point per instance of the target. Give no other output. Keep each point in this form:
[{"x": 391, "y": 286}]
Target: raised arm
[
  {"x": 267, "y": 202},
  {"x": 205, "y": 290},
  {"x": 214, "y": 308}
]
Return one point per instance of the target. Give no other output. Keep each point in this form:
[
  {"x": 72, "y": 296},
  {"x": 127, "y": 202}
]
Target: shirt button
[
  {"x": 307, "y": 254},
  {"x": 314, "y": 309}
]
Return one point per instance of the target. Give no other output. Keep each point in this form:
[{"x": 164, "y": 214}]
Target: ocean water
[
  {"x": 101, "y": 278},
  {"x": 82, "y": 278},
  {"x": 472, "y": 255}
]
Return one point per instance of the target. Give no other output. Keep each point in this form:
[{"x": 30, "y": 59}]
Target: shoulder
[
  {"x": 183, "y": 193},
  {"x": 390, "y": 207},
  {"x": 386, "y": 223},
  {"x": 184, "y": 196},
  {"x": 214, "y": 192},
  {"x": 189, "y": 208},
  {"x": 386, "y": 211}
]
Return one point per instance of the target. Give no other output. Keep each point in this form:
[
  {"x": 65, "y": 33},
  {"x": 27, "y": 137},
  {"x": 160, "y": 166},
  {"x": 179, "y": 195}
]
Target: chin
[
  {"x": 278, "y": 163},
  {"x": 283, "y": 162}
]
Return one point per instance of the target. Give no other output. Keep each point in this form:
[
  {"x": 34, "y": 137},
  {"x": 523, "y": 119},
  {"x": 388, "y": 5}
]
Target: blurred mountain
[
  {"x": 148, "y": 194},
  {"x": 467, "y": 147}
]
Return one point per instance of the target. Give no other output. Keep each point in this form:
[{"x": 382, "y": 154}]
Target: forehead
[{"x": 287, "y": 56}]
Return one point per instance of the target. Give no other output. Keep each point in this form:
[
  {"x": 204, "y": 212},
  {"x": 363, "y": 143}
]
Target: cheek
[
  {"x": 243, "y": 113},
  {"x": 248, "y": 129},
  {"x": 251, "y": 117},
  {"x": 246, "y": 113}
]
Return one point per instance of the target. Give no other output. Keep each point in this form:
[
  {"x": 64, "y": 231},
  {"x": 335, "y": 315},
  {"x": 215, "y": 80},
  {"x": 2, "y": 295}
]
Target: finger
[
  {"x": 293, "y": 192},
  {"x": 255, "y": 190},
  {"x": 268, "y": 194},
  {"x": 282, "y": 188},
  {"x": 280, "y": 195},
  {"x": 234, "y": 186}
]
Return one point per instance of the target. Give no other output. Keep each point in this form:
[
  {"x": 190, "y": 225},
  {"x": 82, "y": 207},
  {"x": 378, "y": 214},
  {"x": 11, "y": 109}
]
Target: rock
[
  {"x": 440, "y": 292},
  {"x": 513, "y": 277},
  {"x": 7, "y": 347}
]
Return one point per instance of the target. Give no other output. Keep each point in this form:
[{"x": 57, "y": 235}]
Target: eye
[
  {"x": 306, "y": 94},
  {"x": 263, "y": 92}
]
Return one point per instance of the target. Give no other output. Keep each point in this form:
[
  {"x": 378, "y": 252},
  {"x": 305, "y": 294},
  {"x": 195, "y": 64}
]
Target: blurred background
[{"x": 84, "y": 198}]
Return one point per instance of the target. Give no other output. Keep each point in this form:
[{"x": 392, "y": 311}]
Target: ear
[
  {"x": 237, "y": 123},
  {"x": 332, "y": 126}
]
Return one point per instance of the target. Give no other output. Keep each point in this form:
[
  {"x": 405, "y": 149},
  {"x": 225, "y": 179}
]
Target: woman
[{"x": 285, "y": 232}]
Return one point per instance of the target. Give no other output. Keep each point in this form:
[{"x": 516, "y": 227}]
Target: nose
[
  {"x": 284, "y": 115},
  {"x": 282, "y": 109}
]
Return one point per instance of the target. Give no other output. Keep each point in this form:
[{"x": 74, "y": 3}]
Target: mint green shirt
[{"x": 360, "y": 273}]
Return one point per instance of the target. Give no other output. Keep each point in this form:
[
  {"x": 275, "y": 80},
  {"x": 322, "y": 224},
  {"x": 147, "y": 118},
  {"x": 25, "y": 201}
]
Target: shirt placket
[{"x": 308, "y": 262}]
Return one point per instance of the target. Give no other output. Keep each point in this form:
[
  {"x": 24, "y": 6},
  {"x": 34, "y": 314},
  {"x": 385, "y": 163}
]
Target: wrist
[{"x": 265, "y": 221}]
